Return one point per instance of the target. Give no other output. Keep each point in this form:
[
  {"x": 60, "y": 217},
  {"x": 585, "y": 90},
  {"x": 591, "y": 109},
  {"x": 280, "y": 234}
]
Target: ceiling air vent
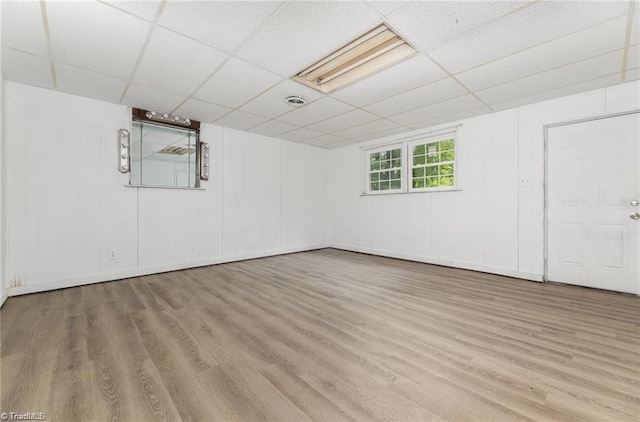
[
  {"x": 295, "y": 101},
  {"x": 368, "y": 54},
  {"x": 176, "y": 150}
]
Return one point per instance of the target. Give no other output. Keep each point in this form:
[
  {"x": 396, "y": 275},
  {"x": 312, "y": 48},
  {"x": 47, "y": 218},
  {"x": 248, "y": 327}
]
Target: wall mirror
[{"x": 164, "y": 155}]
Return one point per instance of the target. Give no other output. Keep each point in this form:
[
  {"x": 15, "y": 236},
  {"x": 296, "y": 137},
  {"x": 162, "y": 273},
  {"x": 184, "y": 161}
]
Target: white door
[{"x": 593, "y": 181}]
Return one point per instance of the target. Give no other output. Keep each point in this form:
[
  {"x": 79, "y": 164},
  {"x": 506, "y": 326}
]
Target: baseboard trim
[
  {"x": 443, "y": 262},
  {"x": 3, "y": 297},
  {"x": 138, "y": 272}
]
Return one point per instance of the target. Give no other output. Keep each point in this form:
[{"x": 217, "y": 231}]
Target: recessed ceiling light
[
  {"x": 295, "y": 101},
  {"x": 370, "y": 53}
]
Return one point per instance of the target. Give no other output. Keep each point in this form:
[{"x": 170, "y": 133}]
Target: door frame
[{"x": 545, "y": 130}]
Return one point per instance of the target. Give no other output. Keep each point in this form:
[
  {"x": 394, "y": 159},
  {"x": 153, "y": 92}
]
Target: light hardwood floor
[{"x": 326, "y": 335}]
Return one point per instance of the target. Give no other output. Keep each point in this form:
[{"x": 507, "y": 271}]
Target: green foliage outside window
[{"x": 434, "y": 164}]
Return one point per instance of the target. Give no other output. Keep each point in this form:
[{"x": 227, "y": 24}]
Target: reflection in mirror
[{"x": 163, "y": 156}]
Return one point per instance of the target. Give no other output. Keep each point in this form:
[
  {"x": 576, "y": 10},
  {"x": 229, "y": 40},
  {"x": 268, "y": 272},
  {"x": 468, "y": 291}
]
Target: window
[
  {"x": 433, "y": 164},
  {"x": 385, "y": 169},
  {"x": 419, "y": 165}
]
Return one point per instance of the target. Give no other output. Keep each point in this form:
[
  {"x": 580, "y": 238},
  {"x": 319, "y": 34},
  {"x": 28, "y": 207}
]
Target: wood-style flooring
[{"x": 326, "y": 335}]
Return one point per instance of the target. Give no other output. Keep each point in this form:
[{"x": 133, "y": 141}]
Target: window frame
[
  {"x": 368, "y": 171},
  {"x": 406, "y": 168},
  {"x": 428, "y": 140}
]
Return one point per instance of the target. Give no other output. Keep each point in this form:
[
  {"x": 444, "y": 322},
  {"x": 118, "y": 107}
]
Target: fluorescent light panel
[{"x": 370, "y": 53}]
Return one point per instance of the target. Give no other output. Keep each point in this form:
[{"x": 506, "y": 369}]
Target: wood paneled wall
[{"x": 69, "y": 206}]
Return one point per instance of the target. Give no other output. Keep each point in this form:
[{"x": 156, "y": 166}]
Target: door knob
[
  {"x": 634, "y": 216},
  {"x": 634, "y": 203}
]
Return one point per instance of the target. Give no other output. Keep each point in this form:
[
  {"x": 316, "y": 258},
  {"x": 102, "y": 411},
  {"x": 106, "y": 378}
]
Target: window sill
[
  {"x": 411, "y": 192},
  {"x": 162, "y": 187}
]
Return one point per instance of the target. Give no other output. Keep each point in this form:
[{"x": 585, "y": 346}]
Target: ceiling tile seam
[
  {"x": 27, "y": 52},
  {"x": 441, "y": 67},
  {"x": 564, "y": 86},
  {"x": 429, "y": 105},
  {"x": 231, "y": 55},
  {"x": 126, "y": 11},
  {"x": 538, "y": 45},
  {"x": 556, "y": 68},
  {"x": 393, "y": 95},
  {"x": 279, "y": 115},
  {"x": 143, "y": 50},
  {"x": 549, "y": 69},
  {"x": 89, "y": 70},
  {"x": 45, "y": 27},
  {"x": 364, "y": 124},
  {"x": 627, "y": 39},
  {"x": 328, "y": 118},
  {"x": 483, "y": 108}
]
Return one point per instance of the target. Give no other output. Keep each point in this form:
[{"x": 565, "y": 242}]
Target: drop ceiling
[{"x": 230, "y": 62}]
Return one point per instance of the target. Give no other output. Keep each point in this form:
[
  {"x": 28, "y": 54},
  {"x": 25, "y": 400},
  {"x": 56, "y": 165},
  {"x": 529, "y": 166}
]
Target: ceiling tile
[
  {"x": 428, "y": 94},
  {"x": 577, "y": 72},
  {"x": 299, "y": 135},
  {"x": 26, "y": 68},
  {"x": 89, "y": 84},
  {"x": 302, "y": 32},
  {"x": 388, "y": 7},
  {"x": 536, "y": 24},
  {"x": 22, "y": 27},
  {"x": 201, "y": 110},
  {"x": 384, "y": 134},
  {"x": 316, "y": 111},
  {"x": 342, "y": 144},
  {"x": 427, "y": 24},
  {"x": 324, "y": 140},
  {"x": 344, "y": 121},
  {"x": 559, "y": 92},
  {"x": 451, "y": 117},
  {"x": 433, "y": 111},
  {"x": 366, "y": 129},
  {"x": 240, "y": 120},
  {"x": 95, "y": 36},
  {"x": 151, "y": 99},
  {"x": 272, "y": 102},
  {"x": 185, "y": 63},
  {"x": 411, "y": 73},
  {"x": 273, "y": 128},
  {"x": 145, "y": 9},
  {"x": 236, "y": 83},
  {"x": 222, "y": 24},
  {"x": 590, "y": 42}
]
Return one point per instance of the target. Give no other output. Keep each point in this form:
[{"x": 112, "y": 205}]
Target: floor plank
[{"x": 326, "y": 335}]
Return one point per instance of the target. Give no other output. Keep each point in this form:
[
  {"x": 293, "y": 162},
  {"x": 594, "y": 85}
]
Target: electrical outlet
[{"x": 113, "y": 254}]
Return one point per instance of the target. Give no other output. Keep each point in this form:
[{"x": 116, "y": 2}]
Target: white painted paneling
[
  {"x": 623, "y": 97},
  {"x": 303, "y": 195},
  {"x": 252, "y": 193},
  {"x": 3, "y": 190},
  {"x": 70, "y": 206},
  {"x": 496, "y": 222}
]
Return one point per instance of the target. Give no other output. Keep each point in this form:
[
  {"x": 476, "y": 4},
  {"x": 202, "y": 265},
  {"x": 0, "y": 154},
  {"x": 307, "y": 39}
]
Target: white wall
[
  {"x": 69, "y": 207},
  {"x": 496, "y": 222},
  {"x": 3, "y": 278}
]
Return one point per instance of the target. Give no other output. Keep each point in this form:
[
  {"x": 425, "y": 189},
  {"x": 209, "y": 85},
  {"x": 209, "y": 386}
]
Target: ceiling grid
[{"x": 235, "y": 58}]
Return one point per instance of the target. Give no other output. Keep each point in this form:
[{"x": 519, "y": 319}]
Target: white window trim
[
  {"x": 406, "y": 169},
  {"x": 403, "y": 179}
]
